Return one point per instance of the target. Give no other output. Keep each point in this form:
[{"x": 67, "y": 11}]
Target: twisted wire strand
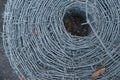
[{"x": 39, "y": 47}]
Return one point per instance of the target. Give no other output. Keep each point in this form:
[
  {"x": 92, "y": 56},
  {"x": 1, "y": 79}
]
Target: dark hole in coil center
[{"x": 74, "y": 22}]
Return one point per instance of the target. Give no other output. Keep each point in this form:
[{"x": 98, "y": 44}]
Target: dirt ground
[{"x": 6, "y": 72}]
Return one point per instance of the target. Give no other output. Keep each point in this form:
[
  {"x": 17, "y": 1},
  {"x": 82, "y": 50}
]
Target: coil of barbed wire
[{"x": 39, "y": 47}]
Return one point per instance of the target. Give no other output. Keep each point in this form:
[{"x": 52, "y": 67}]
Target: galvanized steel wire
[{"x": 39, "y": 48}]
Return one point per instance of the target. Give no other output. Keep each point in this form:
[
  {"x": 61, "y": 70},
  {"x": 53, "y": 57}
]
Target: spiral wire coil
[{"x": 39, "y": 47}]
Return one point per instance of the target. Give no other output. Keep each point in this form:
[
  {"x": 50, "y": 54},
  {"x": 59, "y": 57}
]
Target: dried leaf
[{"x": 97, "y": 73}]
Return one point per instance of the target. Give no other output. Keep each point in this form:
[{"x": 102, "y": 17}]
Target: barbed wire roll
[{"x": 39, "y": 47}]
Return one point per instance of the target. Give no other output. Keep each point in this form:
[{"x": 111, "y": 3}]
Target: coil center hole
[{"x": 75, "y": 22}]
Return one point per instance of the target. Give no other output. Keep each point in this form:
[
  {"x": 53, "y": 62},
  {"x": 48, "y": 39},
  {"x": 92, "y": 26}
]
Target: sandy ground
[{"x": 6, "y": 72}]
